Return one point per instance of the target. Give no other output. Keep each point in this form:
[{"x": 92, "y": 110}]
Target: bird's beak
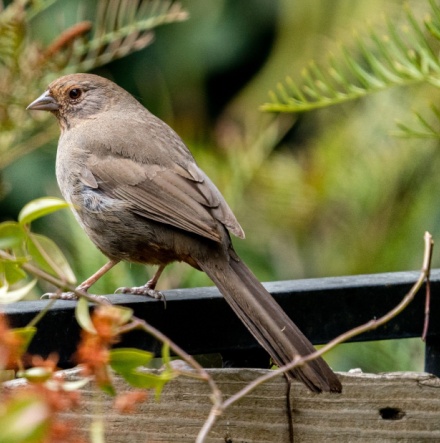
[{"x": 45, "y": 102}]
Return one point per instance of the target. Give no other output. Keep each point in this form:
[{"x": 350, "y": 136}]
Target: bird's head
[{"x": 77, "y": 97}]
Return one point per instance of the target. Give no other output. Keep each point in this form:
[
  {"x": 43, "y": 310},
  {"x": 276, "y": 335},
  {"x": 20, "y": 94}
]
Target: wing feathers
[{"x": 184, "y": 198}]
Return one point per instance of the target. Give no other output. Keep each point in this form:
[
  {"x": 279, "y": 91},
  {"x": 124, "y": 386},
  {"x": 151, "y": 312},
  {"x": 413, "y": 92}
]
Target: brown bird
[{"x": 140, "y": 196}]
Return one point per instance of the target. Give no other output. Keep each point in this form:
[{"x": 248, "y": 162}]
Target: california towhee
[{"x": 140, "y": 196}]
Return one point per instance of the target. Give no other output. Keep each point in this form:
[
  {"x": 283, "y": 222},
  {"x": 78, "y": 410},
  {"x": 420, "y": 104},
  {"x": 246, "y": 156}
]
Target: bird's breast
[{"x": 117, "y": 231}]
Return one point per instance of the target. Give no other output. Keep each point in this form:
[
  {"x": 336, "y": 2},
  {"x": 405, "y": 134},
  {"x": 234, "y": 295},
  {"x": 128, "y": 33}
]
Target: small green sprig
[{"x": 402, "y": 56}]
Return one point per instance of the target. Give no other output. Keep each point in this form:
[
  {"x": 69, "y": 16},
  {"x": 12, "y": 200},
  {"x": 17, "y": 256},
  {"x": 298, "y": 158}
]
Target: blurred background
[{"x": 325, "y": 193}]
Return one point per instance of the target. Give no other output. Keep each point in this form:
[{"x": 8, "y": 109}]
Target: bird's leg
[
  {"x": 148, "y": 289},
  {"x": 153, "y": 281},
  {"x": 85, "y": 285}
]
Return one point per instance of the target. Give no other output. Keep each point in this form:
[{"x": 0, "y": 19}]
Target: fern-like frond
[
  {"x": 403, "y": 56},
  {"x": 121, "y": 27},
  {"x": 37, "y": 7},
  {"x": 12, "y": 33},
  {"x": 118, "y": 28},
  {"x": 423, "y": 128}
]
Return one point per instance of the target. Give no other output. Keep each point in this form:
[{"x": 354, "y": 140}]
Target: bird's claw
[
  {"x": 101, "y": 299},
  {"x": 142, "y": 290},
  {"x": 59, "y": 296},
  {"x": 73, "y": 296}
]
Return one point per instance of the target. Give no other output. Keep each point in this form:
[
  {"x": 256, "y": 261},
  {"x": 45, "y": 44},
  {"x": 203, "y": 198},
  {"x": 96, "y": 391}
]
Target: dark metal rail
[{"x": 201, "y": 322}]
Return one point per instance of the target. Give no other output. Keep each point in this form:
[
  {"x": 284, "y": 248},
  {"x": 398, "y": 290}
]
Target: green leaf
[
  {"x": 125, "y": 360},
  {"x": 39, "y": 208},
  {"x": 12, "y": 234},
  {"x": 48, "y": 256},
  {"x": 82, "y": 315},
  {"x": 146, "y": 380},
  {"x": 26, "y": 335},
  {"x": 68, "y": 386},
  {"x": 107, "y": 387},
  {"x": 7, "y": 296},
  {"x": 166, "y": 358},
  {"x": 36, "y": 374},
  {"x": 12, "y": 272},
  {"x": 125, "y": 314},
  {"x": 24, "y": 420}
]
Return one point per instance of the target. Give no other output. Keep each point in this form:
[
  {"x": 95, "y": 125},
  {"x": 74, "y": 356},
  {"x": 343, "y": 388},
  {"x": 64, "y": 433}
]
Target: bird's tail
[{"x": 269, "y": 324}]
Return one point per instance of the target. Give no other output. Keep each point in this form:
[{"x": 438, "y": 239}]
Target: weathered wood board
[{"x": 392, "y": 407}]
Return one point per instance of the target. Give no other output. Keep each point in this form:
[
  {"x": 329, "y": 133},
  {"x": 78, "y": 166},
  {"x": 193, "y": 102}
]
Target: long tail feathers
[{"x": 269, "y": 324}]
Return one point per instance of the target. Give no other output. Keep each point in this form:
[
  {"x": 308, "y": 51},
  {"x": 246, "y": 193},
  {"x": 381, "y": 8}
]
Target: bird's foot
[
  {"x": 73, "y": 296},
  {"x": 142, "y": 290},
  {"x": 60, "y": 296}
]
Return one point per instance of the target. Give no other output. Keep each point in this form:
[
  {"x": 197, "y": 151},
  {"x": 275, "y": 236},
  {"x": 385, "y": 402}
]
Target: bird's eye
[{"x": 75, "y": 93}]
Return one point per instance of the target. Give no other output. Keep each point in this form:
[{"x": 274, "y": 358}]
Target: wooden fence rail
[{"x": 201, "y": 322}]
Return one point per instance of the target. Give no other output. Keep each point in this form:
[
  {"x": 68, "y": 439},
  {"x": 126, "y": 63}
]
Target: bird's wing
[{"x": 181, "y": 197}]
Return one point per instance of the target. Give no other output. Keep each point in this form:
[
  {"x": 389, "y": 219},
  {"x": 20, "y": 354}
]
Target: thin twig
[
  {"x": 37, "y": 272},
  {"x": 298, "y": 360},
  {"x": 209, "y": 423},
  {"x": 427, "y": 309},
  {"x": 370, "y": 325},
  {"x": 218, "y": 405},
  {"x": 136, "y": 323},
  {"x": 427, "y": 267},
  {"x": 42, "y": 313}
]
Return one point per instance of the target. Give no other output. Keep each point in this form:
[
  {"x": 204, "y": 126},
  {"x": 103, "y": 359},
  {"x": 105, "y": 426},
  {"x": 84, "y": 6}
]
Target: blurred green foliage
[{"x": 330, "y": 192}]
